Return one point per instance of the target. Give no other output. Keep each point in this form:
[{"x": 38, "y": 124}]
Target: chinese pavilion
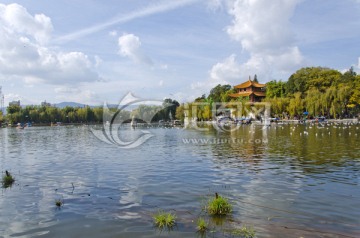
[{"x": 255, "y": 91}]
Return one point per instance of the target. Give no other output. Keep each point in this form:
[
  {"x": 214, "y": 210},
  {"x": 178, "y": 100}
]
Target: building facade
[{"x": 14, "y": 103}]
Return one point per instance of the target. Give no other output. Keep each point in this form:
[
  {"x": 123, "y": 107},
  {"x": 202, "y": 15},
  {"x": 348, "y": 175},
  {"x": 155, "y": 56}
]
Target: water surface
[{"x": 281, "y": 181}]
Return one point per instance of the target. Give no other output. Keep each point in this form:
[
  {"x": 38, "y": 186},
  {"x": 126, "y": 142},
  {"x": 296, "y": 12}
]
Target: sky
[{"x": 95, "y": 51}]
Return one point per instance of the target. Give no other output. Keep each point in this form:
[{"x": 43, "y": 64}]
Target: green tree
[
  {"x": 275, "y": 89},
  {"x": 217, "y": 92},
  {"x": 180, "y": 114},
  {"x": 169, "y": 109},
  {"x": 296, "y": 105},
  {"x": 312, "y": 77},
  {"x": 313, "y": 101},
  {"x": 1, "y": 117},
  {"x": 13, "y": 109}
]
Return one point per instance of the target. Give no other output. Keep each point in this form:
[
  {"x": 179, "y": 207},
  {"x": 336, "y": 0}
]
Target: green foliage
[
  {"x": 218, "y": 206},
  {"x": 296, "y": 105},
  {"x": 1, "y": 117},
  {"x": 275, "y": 89},
  {"x": 48, "y": 114},
  {"x": 279, "y": 106},
  {"x": 202, "y": 225},
  {"x": 312, "y": 77},
  {"x": 7, "y": 180},
  {"x": 179, "y": 114},
  {"x": 169, "y": 109},
  {"x": 13, "y": 109},
  {"x": 217, "y": 93},
  {"x": 164, "y": 220},
  {"x": 244, "y": 232}
]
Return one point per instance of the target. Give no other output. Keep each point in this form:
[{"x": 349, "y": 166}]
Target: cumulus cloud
[
  {"x": 263, "y": 29},
  {"x": 226, "y": 71},
  {"x": 16, "y": 20},
  {"x": 24, "y": 53},
  {"x": 129, "y": 46}
]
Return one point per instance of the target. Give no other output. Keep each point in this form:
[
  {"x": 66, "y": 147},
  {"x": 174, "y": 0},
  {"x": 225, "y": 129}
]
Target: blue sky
[{"x": 94, "y": 51}]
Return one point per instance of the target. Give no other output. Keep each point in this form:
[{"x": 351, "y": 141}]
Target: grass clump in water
[
  {"x": 202, "y": 225},
  {"x": 244, "y": 232},
  {"x": 218, "y": 206},
  {"x": 59, "y": 203},
  {"x": 7, "y": 180},
  {"x": 164, "y": 220}
]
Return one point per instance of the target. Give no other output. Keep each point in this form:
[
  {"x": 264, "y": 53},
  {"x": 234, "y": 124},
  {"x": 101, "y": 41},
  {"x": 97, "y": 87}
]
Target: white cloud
[
  {"x": 263, "y": 29},
  {"x": 16, "y": 20},
  {"x": 232, "y": 72},
  {"x": 262, "y": 26},
  {"x": 23, "y": 53},
  {"x": 226, "y": 71},
  {"x": 129, "y": 45}
]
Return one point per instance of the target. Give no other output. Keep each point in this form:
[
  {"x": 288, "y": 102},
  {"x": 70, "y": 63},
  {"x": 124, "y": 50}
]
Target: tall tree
[
  {"x": 275, "y": 89},
  {"x": 217, "y": 92}
]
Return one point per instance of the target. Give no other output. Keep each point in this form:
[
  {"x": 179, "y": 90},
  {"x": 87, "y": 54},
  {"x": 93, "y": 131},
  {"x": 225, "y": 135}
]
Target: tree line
[
  {"x": 50, "y": 114},
  {"x": 318, "y": 91}
]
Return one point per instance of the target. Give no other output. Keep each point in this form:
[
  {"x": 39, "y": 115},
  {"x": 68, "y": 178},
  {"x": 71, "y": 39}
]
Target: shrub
[
  {"x": 7, "y": 180},
  {"x": 218, "y": 206},
  {"x": 201, "y": 225},
  {"x": 163, "y": 219}
]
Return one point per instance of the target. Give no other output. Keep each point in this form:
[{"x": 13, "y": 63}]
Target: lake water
[{"x": 281, "y": 181}]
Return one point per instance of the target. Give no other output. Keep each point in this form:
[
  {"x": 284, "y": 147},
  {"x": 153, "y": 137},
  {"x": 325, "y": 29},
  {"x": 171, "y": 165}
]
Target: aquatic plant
[
  {"x": 164, "y": 219},
  {"x": 244, "y": 232},
  {"x": 59, "y": 202},
  {"x": 218, "y": 206},
  {"x": 202, "y": 225},
  {"x": 7, "y": 180}
]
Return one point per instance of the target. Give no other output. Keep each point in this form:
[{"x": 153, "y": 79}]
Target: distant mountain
[
  {"x": 75, "y": 104},
  {"x": 69, "y": 104}
]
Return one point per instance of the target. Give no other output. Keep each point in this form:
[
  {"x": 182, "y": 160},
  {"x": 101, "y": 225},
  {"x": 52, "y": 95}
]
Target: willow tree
[
  {"x": 279, "y": 106},
  {"x": 296, "y": 105},
  {"x": 344, "y": 94},
  {"x": 313, "y": 101},
  {"x": 354, "y": 100}
]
